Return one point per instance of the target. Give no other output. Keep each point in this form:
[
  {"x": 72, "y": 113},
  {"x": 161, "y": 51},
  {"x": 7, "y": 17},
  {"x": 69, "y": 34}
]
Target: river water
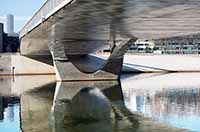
[{"x": 154, "y": 102}]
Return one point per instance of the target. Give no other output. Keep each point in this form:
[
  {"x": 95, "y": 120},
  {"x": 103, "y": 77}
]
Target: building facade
[
  {"x": 9, "y": 24},
  {"x": 9, "y": 42},
  {"x": 142, "y": 46},
  {"x": 176, "y": 45},
  {"x": 179, "y": 45},
  {"x": 1, "y": 37}
]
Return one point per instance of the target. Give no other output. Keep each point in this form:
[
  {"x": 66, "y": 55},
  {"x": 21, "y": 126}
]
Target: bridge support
[
  {"x": 71, "y": 68},
  {"x": 66, "y": 71},
  {"x": 74, "y": 64}
]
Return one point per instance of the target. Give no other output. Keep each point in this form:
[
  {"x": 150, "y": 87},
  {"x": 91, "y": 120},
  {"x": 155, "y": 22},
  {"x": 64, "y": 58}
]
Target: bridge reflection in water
[{"x": 170, "y": 99}]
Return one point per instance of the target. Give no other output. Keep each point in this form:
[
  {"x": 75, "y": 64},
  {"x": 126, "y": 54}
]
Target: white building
[
  {"x": 9, "y": 24},
  {"x": 144, "y": 46}
]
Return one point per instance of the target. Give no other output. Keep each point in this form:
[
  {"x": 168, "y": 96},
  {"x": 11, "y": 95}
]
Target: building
[
  {"x": 179, "y": 45},
  {"x": 1, "y": 37},
  {"x": 9, "y": 41},
  {"x": 189, "y": 44},
  {"x": 9, "y": 24},
  {"x": 142, "y": 46}
]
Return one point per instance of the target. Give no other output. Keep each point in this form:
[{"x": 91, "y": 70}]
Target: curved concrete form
[
  {"x": 74, "y": 29},
  {"x": 77, "y": 65}
]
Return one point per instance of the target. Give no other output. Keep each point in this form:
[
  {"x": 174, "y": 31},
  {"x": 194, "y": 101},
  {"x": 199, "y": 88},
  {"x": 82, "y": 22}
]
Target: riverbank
[
  {"x": 14, "y": 64},
  {"x": 150, "y": 63}
]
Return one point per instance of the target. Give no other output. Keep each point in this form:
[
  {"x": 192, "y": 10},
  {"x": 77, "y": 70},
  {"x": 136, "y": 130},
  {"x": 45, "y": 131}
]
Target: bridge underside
[{"x": 88, "y": 26}]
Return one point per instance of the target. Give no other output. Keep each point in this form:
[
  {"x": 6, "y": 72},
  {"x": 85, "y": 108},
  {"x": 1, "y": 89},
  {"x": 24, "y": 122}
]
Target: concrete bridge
[{"x": 66, "y": 33}]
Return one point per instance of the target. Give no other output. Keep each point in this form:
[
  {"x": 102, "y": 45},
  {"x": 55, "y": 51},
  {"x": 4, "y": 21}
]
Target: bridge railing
[{"x": 48, "y": 9}]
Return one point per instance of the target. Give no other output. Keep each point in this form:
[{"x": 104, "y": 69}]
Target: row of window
[{"x": 189, "y": 43}]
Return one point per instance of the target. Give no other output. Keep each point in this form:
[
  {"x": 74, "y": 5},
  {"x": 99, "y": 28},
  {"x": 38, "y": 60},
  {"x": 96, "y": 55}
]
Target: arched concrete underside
[
  {"x": 87, "y": 26},
  {"x": 73, "y": 59}
]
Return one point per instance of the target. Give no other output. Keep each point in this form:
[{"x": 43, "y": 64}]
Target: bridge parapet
[{"x": 49, "y": 8}]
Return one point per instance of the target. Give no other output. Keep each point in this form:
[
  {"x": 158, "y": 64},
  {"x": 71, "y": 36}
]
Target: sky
[{"x": 21, "y": 9}]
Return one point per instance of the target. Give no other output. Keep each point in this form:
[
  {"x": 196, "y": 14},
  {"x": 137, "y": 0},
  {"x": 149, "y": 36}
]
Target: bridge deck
[{"x": 94, "y": 19}]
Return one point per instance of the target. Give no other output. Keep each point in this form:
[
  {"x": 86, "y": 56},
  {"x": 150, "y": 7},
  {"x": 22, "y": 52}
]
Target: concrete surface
[
  {"x": 142, "y": 19},
  {"x": 15, "y": 64},
  {"x": 132, "y": 63},
  {"x": 160, "y": 63}
]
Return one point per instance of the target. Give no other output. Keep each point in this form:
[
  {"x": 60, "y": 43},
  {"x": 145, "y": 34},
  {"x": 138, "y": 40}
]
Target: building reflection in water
[
  {"x": 169, "y": 98},
  {"x": 9, "y": 114},
  {"x": 7, "y": 107}
]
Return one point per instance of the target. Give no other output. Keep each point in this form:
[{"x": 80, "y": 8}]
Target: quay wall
[
  {"x": 160, "y": 63},
  {"x": 15, "y": 64}
]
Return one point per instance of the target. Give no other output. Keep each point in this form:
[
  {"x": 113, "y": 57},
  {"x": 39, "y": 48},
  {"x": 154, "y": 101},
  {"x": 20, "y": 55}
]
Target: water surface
[
  {"x": 9, "y": 114},
  {"x": 173, "y": 99},
  {"x": 143, "y": 103}
]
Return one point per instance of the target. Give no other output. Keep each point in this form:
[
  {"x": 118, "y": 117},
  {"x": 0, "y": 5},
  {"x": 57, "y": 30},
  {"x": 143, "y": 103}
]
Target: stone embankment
[
  {"x": 15, "y": 64},
  {"x": 150, "y": 63}
]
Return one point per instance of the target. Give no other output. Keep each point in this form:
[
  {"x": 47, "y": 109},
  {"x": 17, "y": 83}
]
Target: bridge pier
[
  {"x": 66, "y": 71},
  {"x": 73, "y": 59},
  {"x": 88, "y": 67}
]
